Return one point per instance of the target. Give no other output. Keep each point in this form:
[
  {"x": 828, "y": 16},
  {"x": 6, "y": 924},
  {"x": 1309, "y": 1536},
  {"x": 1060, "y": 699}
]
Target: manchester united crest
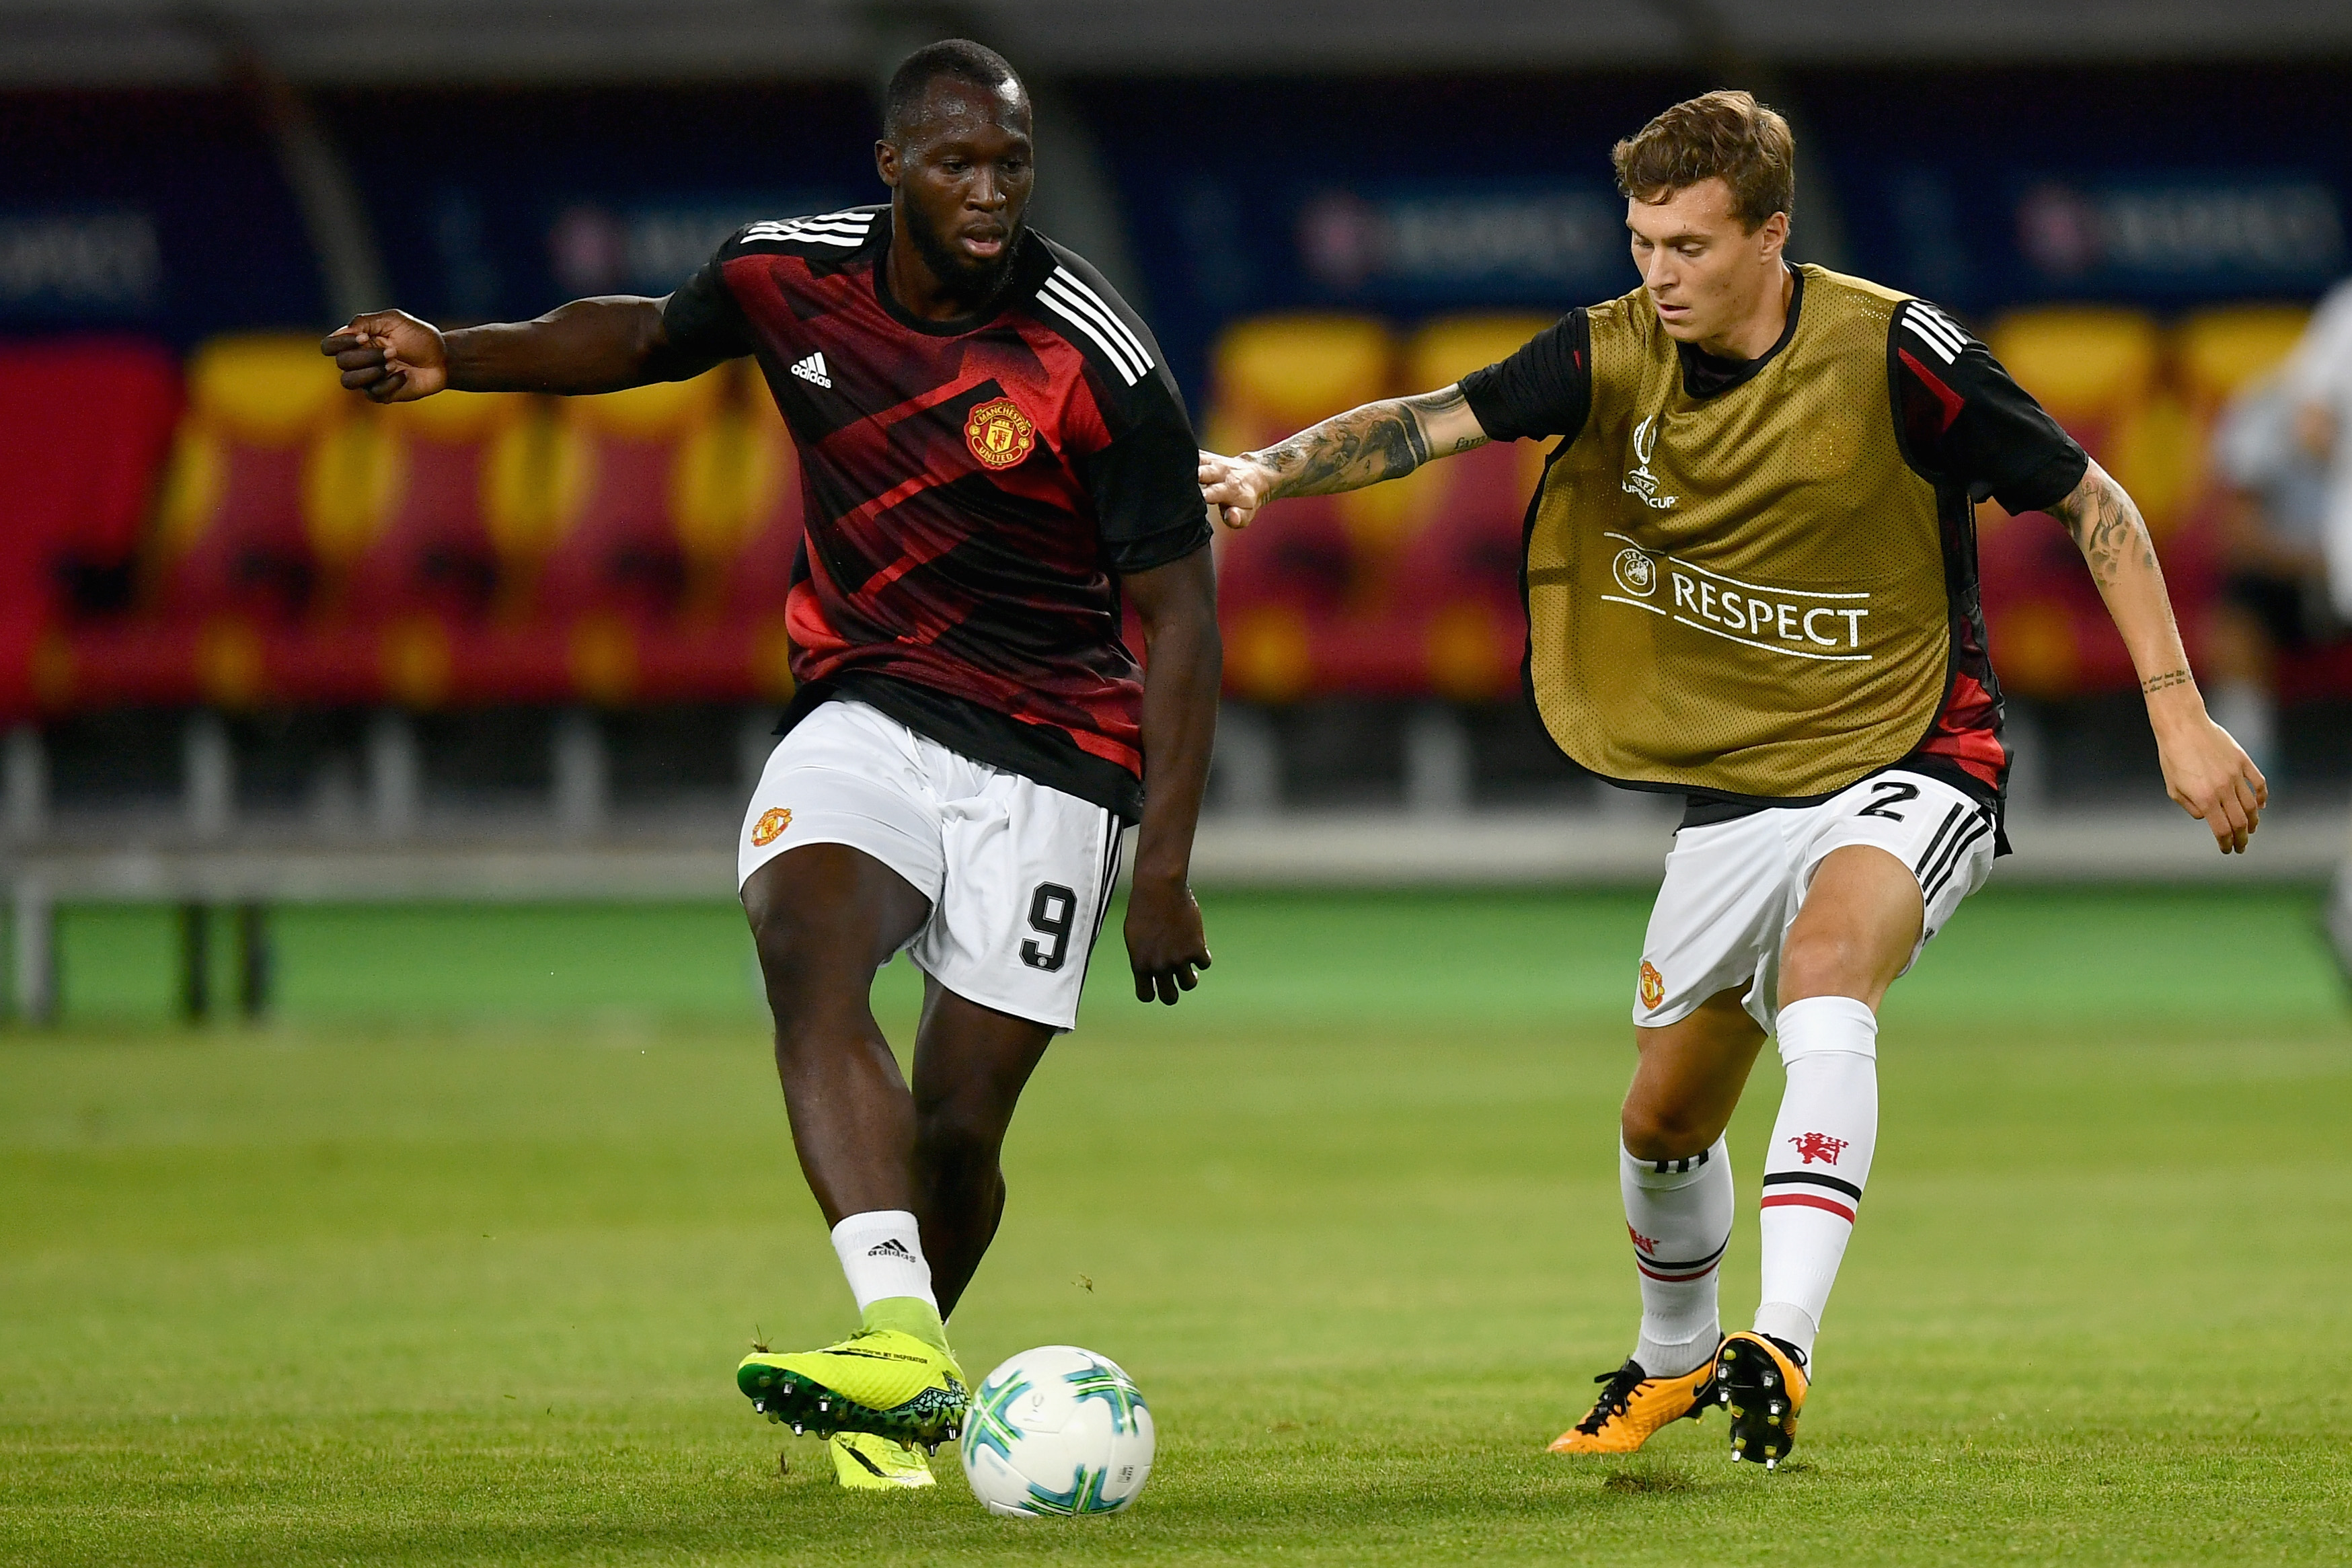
[
  {"x": 999, "y": 434},
  {"x": 1653, "y": 984},
  {"x": 1811, "y": 1147},
  {"x": 771, "y": 827}
]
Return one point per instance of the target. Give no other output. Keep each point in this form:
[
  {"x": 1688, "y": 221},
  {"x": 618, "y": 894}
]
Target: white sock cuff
[
  {"x": 888, "y": 1221},
  {"x": 1819, "y": 1024},
  {"x": 881, "y": 1253},
  {"x": 1666, "y": 1175}
]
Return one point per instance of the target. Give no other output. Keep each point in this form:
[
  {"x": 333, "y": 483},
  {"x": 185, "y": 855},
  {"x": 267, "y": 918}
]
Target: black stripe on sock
[
  {"x": 1693, "y": 1263},
  {"x": 1781, "y": 1178},
  {"x": 1681, "y": 1166}
]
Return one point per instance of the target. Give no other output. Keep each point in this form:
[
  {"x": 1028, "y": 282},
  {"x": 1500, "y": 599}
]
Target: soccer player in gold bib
[{"x": 1751, "y": 580}]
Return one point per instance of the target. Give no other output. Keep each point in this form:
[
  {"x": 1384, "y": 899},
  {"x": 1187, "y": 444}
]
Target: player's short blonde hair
[{"x": 1721, "y": 134}]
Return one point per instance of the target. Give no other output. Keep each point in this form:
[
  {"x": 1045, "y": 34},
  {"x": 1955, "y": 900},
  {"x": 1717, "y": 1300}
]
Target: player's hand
[
  {"x": 1165, "y": 943},
  {"x": 1235, "y": 488},
  {"x": 2209, "y": 776},
  {"x": 390, "y": 356}
]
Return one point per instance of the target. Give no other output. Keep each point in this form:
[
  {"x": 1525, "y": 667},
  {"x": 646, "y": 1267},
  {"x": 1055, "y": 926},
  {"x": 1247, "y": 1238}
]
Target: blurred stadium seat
[
  {"x": 2142, "y": 401},
  {"x": 1458, "y": 569},
  {"x": 305, "y": 548},
  {"x": 410, "y": 504},
  {"x": 615, "y": 540},
  {"x": 84, "y": 426},
  {"x": 233, "y": 535},
  {"x": 1283, "y": 588},
  {"x": 2096, "y": 370}
]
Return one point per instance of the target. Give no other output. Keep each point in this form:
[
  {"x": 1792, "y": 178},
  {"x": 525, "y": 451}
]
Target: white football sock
[
  {"x": 1819, "y": 1159},
  {"x": 1678, "y": 1213},
  {"x": 881, "y": 1253}
]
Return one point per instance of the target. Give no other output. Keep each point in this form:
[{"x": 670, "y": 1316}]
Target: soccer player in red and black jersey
[{"x": 993, "y": 455}]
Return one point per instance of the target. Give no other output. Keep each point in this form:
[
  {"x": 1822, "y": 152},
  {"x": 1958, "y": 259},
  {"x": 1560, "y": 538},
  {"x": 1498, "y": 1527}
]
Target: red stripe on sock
[
  {"x": 1809, "y": 1201},
  {"x": 1672, "y": 1279}
]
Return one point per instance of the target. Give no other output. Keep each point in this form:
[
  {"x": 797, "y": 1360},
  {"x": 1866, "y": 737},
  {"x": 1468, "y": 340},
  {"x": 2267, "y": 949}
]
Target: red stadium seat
[
  {"x": 2098, "y": 370},
  {"x": 84, "y": 426},
  {"x": 412, "y": 502},
  {"x": 233, "y": 537},
  {"x": 1458, "y": 569},
  {"x": 614, "y": 544},
  {"x": 1285, "y": 581},
  {"x": 2143, "y": 405},
  {"x": 740, "y": 506}
]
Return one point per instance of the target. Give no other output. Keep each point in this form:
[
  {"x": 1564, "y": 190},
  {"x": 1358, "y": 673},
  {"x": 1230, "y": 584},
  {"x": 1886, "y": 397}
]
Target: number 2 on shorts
[
  {"x": 1052, "y": 909},
  {"x": 1889, "y": 792}
]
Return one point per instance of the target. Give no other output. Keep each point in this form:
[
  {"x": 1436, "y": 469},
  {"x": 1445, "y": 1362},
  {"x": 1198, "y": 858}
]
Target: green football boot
[
  {"x": 864, "y": 1462},
  {"x": 881, "y": 1381}
]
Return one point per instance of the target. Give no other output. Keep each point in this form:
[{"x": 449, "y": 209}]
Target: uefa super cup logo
[{"x": 1636, "y": 573}]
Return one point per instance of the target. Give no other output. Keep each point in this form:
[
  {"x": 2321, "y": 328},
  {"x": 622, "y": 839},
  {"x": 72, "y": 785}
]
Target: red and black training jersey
[
  {"x": 973, "y": 490},
  {"x": 1962, "y": 424}
]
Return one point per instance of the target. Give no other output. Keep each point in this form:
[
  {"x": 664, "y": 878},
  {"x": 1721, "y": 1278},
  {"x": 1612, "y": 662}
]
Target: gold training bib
[{"x": 1746, "y": 594}]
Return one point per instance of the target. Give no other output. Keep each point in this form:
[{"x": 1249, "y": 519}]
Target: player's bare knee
[
  {"x": 957, "y": 1139},
  {"x": 1666, "y": 1131},
  {"x": 1820, "y": 963}
]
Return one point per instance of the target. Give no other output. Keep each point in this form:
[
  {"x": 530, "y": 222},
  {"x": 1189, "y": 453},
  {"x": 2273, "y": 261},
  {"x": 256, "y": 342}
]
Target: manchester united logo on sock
[
  {"x": 1811, "y": 1147},
  {"x": 999, "y": 434},
  {"x": 771, "y": 827}
]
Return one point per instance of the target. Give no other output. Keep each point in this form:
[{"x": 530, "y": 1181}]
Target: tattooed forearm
[
  {"x": 1363, "y": 446},
  {"x": 1384, "y": 440},
  {"x": 2107, "y": 528}
]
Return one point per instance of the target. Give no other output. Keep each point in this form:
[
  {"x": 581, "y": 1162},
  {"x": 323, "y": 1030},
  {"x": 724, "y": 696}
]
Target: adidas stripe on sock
[
  {"x": 1819, "y": 1159},
  {"x": 1678, "y": 1213},
  {"x": 881, "y": 1254}
]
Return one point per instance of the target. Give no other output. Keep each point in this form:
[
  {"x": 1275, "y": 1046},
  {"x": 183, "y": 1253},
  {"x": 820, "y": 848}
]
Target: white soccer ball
[{"x": 1057, "y": 1431}]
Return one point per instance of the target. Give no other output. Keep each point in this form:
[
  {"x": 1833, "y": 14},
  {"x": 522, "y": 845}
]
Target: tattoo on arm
[
  {"x": 1384, "y": 440},
  {"x": 2170, "y": 678},
  {"x": 2107, "y": 528}
]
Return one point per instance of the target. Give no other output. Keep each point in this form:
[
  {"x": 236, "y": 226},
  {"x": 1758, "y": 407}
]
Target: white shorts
[
  {"x": 1733, "y": 889},
  {"x": 1018, "y": 874}
]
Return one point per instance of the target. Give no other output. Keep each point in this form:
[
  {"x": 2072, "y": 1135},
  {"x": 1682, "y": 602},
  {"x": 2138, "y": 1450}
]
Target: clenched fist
[{"x": 390, "y": 356}]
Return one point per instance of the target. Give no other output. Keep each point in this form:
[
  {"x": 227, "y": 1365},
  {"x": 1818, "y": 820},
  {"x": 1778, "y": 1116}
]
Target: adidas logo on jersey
[{"x": 812, "y": 370}]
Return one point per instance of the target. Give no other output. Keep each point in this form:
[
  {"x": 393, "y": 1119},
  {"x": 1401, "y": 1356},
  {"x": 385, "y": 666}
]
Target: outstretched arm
[
  {"x": 1184, "y": 668},
  {"x": 1385, "y": 440},
  {"x": 588, "y": 346},
  {"x": 2205, "y": 772}
]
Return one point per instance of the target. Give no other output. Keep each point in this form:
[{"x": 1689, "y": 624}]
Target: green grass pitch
[{"x": 450, "y": 1263}]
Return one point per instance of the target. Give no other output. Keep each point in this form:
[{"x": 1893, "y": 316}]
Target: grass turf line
[{"x": 351, "y": 1291}]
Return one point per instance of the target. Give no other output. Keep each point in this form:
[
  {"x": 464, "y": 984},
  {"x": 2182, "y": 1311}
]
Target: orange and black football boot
[
  {"x": 1633, "y": 1405},
  {"x": 1760, "y": 1381}
]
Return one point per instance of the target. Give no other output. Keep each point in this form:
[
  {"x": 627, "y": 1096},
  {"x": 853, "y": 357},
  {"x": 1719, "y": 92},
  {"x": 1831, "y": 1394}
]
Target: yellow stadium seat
[
  {"x": 1439, "y": 354},
  {"x": 412, "y": 505},
  {"x": 614, "y": 538},
  {"x": 2156, "y": 453},
  {"x": 1279, "y": 373},
  {"x": 1445, "y": 350},
  {"x": 2086, "y": 364},
  {"x": 2221, "y": 350},
  {"x": 1274, "y": 375},
  {"x": 231, "y": 533},
  {"x": 661, "y": 411},
  {"x": 268, "y": 389}
]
